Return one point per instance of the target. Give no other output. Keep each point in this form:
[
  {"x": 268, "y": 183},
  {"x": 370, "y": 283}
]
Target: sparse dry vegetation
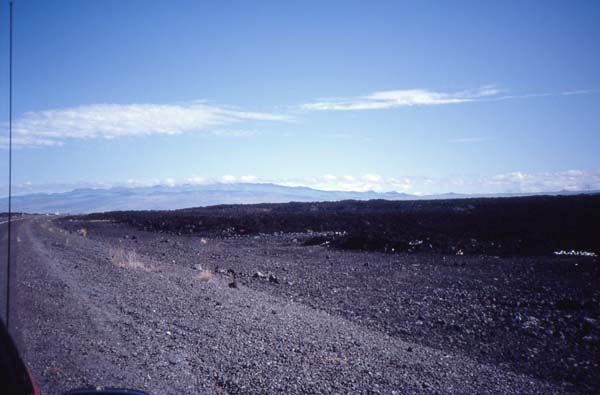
[
  {"x": 205, "y": 275},
  {"x": 126, "y": 259}
]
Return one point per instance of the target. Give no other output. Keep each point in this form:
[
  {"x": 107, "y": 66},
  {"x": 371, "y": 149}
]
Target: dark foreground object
[
  {"x": 539, "y": 225},
  {"x": 14, "y": 376}
]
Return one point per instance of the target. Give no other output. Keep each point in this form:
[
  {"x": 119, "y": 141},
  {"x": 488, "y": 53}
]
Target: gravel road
[{"x": 90, "y": 312}]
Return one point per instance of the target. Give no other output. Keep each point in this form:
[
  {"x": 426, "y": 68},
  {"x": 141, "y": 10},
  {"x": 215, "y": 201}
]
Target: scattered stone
[
  {"x": 266, "y": 276},
  {"x": 260, "y": 275}
]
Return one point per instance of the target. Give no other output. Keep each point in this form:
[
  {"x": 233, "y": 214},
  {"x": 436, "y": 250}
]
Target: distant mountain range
[{"x": 162, "y": 197}]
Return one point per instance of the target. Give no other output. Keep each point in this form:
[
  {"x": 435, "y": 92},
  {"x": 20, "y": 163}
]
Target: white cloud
[
  {"x": 248, "y": 178},
  {"x": 196, "y": 180},
  {"x": 569, "y": 180},
  {"x": 349, "y": 183},
  {"x": 233, "y": 133},
  {"x": 109, "y": 121},
  {"x": 28, "y": 141},
  {"x": 171, "y": 182},
  {"x": 400, "y": 98},
  {"x": 372, "y": 178},
  {"x": 423, "y": 97},
  {"x": 228, "y": 178},
  {"x": 513, "y": 182}
]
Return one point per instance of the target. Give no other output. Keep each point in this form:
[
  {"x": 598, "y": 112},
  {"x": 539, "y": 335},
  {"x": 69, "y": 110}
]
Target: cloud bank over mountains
[
  {"x": 174, "y": 195},
  {"x": 513, "y": 182}
]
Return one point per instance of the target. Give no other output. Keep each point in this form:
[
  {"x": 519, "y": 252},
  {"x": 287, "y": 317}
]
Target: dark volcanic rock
[{"x": 538, "y": 225}]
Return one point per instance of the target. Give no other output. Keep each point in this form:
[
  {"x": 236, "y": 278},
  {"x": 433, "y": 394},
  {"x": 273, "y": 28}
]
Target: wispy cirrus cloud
[
  {"x": 110, "y": 121},
  {"x": 401, "y": 98},
  {"x": 234, "y": 133},
  {"x": 382, "y": 100}
]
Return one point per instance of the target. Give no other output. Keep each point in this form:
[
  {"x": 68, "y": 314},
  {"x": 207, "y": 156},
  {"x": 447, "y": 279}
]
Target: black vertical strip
[{"x": 9, "y": 165}]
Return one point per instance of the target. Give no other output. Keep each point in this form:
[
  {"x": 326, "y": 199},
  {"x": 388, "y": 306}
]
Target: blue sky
[{"x": 419, "y": 97}]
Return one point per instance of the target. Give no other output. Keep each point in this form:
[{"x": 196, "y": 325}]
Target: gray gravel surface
[{"x": 83, "y": 318}]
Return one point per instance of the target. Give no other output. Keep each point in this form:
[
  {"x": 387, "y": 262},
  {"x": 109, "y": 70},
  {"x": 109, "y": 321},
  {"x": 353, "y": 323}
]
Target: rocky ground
[
  {"x": 522, "y": 226},
  {"x": 104, "y": 303}
]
